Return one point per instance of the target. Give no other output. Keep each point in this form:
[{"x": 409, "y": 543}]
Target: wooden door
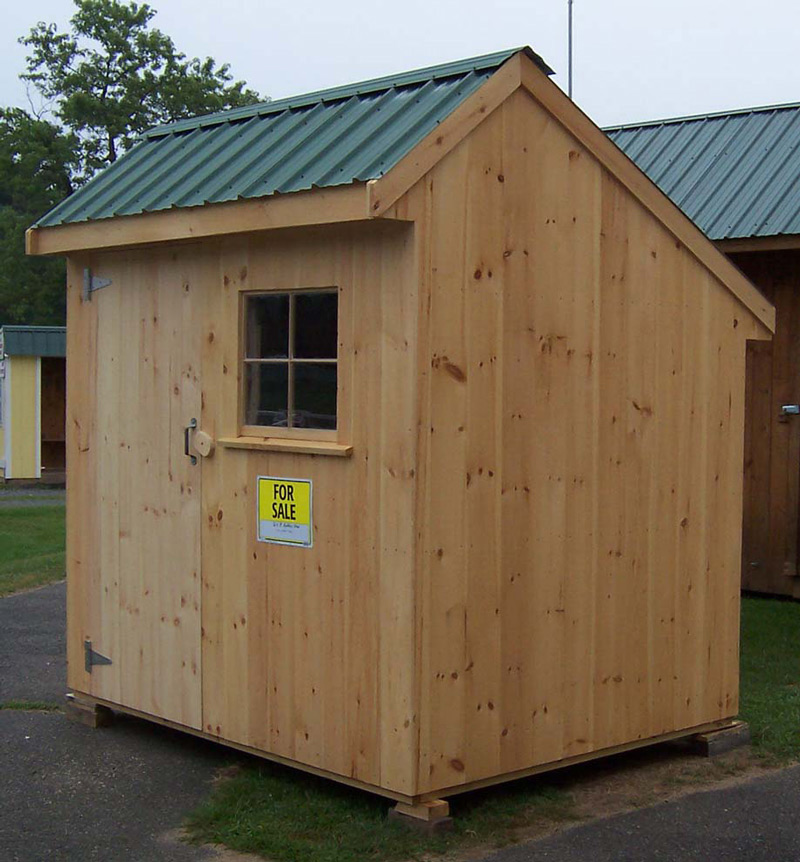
[
  {"x": 144, "y": 615},
  {"x": 771, "y": 525}
]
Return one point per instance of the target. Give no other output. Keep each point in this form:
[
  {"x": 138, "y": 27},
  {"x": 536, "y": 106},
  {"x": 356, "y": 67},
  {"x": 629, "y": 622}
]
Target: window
[{"x": 290, "y": 359}]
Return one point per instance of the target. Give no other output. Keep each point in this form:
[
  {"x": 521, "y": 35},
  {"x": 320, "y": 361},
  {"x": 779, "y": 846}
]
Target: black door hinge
[{"x": 91, "y": 657}]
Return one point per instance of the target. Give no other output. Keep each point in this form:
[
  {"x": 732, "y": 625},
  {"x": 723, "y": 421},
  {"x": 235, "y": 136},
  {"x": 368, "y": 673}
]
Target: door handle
[{"x": 186, "y": 435}]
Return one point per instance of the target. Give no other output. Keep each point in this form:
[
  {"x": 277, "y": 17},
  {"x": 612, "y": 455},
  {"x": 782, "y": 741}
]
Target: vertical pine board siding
[
  {"x": 115, "y": 396},
  {"x": 444, "y": 650},
  {"x": 327, "y": 676},
  {"x": 398, "y": 392},
  {"x": 133, "y": 494},
  {"x": 83, "y": 561},
  {"x": 581, "y": 419}
]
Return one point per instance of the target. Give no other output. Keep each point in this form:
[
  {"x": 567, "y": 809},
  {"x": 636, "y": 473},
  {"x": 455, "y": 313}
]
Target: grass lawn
[
  {"x": 770, "y": 684},
  {"x": 285, "y": 815},
  {"x": 31, "y": 546}
]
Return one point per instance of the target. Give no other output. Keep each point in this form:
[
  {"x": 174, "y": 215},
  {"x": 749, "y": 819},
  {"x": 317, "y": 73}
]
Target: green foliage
[
  {"x": 31, "y": 546},
  {"x": 107, "y": 79},
  {"x": 36, "y": 159},
  {"x": 770, "y": 683},
  {"x": 112, "y": 76}
]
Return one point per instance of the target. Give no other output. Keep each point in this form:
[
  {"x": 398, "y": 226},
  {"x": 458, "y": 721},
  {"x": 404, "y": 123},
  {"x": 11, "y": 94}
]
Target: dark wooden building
[{"x": 737, "y": 176}]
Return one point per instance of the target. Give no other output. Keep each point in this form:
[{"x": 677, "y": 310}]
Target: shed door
[
  {"x": 147, "y": 616},
  {"x": 771, "y": 553}
]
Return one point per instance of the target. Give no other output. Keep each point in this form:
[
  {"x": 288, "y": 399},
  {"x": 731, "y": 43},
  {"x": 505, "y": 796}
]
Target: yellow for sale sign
[{"x": 284, "y": 511}]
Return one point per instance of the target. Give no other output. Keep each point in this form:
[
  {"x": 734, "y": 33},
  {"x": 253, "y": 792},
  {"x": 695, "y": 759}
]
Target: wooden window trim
[
  {"x": 291, "y": 445},
  {"x": 275, "y": 438}
]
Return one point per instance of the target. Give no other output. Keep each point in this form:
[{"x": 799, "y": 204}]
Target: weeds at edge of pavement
[{"x": 29, "y": 706}]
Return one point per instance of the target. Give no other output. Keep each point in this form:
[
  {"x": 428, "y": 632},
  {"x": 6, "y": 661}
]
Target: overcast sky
[{"x": 634, "y": 59}]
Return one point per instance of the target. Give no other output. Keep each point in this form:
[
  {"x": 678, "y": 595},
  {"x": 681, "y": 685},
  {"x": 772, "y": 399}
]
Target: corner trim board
[{"x": 383, "y": 193}]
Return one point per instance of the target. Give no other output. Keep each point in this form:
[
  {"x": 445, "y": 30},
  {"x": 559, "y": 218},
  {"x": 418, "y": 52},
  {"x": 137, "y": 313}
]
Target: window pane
[
  {"x": 314, "y": 396},
  {"x": 266, "y": 393},
  {"x": 267, "y": 321},
  {"x": 315, "y": 327}
]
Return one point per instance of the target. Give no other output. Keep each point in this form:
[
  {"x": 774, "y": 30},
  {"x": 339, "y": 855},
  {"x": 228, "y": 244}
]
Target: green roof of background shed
[
  {"x": 734, "y": 174},
  {"x": 329, "y": 138},
  {"x": 33, "y": 340}
]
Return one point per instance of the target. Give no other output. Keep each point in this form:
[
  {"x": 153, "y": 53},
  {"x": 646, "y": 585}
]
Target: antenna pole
[{"x": 569, "y": 48}]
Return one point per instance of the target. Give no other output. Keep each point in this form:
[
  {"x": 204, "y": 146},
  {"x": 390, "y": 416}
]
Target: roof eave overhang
[
  {"x": 785, "y": 242},
  {"x": 332, "y": 205},
  {"x": 376, "y": 198}
]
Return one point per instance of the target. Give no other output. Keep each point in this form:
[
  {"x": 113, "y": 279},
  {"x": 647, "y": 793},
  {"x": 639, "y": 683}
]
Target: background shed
[
  {"x": 32, "y": 402},
  {"x": 737, "y": 176},
  {"x": 526, "y": 480}
]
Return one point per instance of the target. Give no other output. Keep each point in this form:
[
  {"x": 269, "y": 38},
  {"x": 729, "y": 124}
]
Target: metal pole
[{"x": 569, "y": 61}]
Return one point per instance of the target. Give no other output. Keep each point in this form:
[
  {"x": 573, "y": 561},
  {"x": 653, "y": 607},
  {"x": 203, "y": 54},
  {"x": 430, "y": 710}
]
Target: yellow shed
[
  {"x": 404, "y": 435},
  {"x": 32, "y": 402}
]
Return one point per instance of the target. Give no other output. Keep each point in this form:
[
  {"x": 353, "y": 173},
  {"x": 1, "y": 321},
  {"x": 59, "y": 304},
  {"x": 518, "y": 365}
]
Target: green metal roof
[
  {"x": 33, "y": 341},
  {"x": 329, "y": 138},
  {"x": 735, "y": 174}
]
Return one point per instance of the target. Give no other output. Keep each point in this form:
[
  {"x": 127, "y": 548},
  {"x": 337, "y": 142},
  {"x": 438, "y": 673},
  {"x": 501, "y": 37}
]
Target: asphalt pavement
[
  {"x": 71, "y": 792},
  {"x": 757, "y": 821}
]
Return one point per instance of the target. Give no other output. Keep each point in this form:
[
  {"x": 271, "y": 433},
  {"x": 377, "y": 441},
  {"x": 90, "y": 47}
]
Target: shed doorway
[
  {"x": 145, "y": 616},
  {"x": 771, "y": 534}
]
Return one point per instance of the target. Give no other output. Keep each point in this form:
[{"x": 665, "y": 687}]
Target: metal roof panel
[
  {"x": 328, "y": 138},
  {"x": 33, "y": 341},
  {"x": 735, "y": 174}
]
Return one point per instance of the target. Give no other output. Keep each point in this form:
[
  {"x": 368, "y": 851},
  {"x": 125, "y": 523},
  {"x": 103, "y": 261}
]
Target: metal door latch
[
  {"x": 790, "y": 410},
  {"x": 91, "y": 657},
  {"x": 187, "y": 433}
]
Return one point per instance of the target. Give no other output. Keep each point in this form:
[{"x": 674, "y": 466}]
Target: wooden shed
[
  {"x": 737, "y": 175},
  {"x": 32, "y": 403},
  {"x": 404, "y": 435}
]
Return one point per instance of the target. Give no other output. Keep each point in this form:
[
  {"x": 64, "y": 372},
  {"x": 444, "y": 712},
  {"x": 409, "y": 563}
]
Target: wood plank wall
[
  {"x": 309, "y": 653},
  {"x": 306, "y": 654},
  {"x": 580, "y": 450}
]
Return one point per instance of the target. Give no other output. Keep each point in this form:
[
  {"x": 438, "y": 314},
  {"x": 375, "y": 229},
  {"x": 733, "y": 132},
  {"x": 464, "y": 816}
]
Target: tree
[
  {"x": 105, "y": 81},
  {"x": 36, "y": 161},
  {"x": 112, "y": 76}
]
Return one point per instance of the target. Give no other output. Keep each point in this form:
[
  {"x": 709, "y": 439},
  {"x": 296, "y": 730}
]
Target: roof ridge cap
[
  {"x": 397, "y": 80},
  {"x": 689, "y": 118}
]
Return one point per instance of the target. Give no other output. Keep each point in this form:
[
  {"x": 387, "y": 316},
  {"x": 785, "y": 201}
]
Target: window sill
[{"x": 284, "y": 444}]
